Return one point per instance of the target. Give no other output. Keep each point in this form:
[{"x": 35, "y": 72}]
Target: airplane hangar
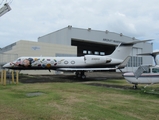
[{"x": 71, "y": 41}]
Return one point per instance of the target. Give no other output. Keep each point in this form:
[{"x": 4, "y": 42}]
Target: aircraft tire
[
  {"x": 83, "y": 76},
  {"x": 135, "y": 86},
  {"x": 78, "y": 75}
]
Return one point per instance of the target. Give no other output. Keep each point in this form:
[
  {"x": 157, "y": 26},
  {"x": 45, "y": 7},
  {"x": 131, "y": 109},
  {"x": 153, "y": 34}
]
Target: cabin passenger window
[
  {"x": 102, "y": 53},
  {"x": 155, "y": 70},
  {"x": 89, "y": 52},
  {"x": 96, "y": 53}
]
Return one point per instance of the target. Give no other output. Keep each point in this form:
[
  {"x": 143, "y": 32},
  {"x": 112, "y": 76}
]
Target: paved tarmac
[{"x": 69, "y": 77}]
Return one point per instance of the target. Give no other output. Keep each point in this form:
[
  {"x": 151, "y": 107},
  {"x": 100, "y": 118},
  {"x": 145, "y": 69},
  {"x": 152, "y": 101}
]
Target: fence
[{"x": 5, "y": 58}]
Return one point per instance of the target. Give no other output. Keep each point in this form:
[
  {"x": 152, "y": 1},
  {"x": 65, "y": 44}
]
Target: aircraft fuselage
[
  {"x": 86, "y": 61},
  {"x": 145, "y": 78}
]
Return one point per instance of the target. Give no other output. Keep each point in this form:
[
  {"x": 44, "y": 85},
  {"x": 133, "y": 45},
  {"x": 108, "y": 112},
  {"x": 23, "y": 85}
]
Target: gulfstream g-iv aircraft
[
  {"x": 145, "y": 74},
  {"x": 118, "y": 58}
]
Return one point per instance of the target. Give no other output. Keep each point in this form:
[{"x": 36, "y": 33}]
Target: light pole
[{"x": 6, "y": 8}]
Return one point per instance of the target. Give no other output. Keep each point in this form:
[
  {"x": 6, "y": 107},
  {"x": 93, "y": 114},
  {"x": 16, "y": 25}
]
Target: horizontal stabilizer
[
  {"x": 151, "y": 54},
  {"x": 135, "y": 42},
  {"x": 124, "y": 63}
]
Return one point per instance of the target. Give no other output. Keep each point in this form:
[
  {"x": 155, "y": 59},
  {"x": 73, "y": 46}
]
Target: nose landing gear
[{"x": 135, "y": 86}]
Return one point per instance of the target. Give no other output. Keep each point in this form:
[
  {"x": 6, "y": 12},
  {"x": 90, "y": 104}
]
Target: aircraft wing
[{"x": 84, "y": 69}]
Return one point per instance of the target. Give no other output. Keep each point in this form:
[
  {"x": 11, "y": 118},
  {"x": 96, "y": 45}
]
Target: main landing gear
[
  {"x": 80, "y": 74},
  {"x": 135, "y": 86}
]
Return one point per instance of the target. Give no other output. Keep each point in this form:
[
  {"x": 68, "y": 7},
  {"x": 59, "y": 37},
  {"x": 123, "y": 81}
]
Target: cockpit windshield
[
  {"x": 19, "y": 59},
  {"x": 149, "y": 70},
  {"x": 22, "y": 62}
]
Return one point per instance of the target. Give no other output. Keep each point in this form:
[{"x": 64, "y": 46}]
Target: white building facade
[{"x": 97, "y": 42}]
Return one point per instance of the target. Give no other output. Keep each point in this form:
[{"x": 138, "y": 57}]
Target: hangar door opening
[{"x": 92, "y": 48}]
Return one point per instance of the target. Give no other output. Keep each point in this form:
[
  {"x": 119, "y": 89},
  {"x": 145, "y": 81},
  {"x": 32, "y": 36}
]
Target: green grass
[{"x": 78, "y": 101}]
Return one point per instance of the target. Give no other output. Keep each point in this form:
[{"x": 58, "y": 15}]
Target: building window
[
  {"x": 135, "y": 61},
  {"x": 84, "y": 51},
  {"x": 96, "y": 53}
]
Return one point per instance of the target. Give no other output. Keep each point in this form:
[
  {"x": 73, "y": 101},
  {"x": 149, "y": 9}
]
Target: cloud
[{"x": 31, "y": 19}]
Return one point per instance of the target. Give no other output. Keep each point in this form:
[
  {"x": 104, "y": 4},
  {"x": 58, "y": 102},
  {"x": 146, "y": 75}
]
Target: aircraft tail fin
[
  {"x": 123, "y": 50},
  {"x": 153, "y": 54}
]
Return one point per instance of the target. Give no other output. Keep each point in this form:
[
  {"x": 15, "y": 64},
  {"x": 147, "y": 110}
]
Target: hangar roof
[{"x": 65, "y": 35}]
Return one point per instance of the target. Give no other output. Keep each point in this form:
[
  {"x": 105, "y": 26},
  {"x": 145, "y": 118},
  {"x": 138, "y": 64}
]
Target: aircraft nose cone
[{"x": 7, "y": 65}]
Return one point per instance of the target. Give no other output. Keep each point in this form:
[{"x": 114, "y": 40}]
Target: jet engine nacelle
[{"x": 94, "y": 59}]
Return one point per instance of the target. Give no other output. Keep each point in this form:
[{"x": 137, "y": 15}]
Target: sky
[{"x": 30, "y": 19}]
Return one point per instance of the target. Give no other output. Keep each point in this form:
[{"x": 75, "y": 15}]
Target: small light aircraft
[
  {"x": 118, "y": 58},
  {"x": 145, "y": 74}
]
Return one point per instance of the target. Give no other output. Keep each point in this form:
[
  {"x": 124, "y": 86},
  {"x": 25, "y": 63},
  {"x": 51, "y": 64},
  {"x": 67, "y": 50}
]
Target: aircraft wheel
[
  {"x": 78, "y": 75},
  {"x": 83, "y": 76},
  {"x": 135, "y": 86}
]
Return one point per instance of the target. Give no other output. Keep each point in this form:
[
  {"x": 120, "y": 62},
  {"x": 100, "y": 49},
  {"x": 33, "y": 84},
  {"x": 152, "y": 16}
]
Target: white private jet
[
  {"x": 118, "y": 58},
  {"x": 145, "y": 74}
]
